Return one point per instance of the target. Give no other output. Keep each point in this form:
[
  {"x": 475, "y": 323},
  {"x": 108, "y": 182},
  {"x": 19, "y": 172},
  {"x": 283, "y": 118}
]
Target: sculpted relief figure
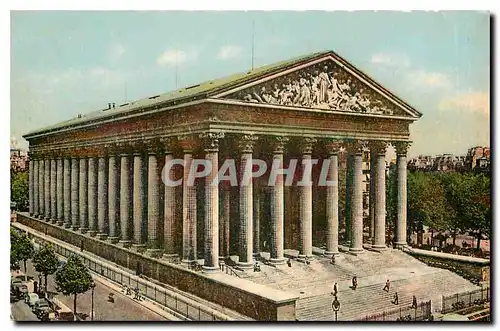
[{"x": 326, "y": 88}]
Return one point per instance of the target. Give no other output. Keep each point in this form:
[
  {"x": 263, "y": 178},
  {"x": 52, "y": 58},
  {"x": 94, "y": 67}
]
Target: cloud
[
  {"x": 391, "y": 59},
  {"x": 115, "y": 51},
  {"x": 171, "y": 57},
  {"x": 229, "y": 52},
  {"x": 477, "y": 102},
  {"x": 429, "y": 79}
]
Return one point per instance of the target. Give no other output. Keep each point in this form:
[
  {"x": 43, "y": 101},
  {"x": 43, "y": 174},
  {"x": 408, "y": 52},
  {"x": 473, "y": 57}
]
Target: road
[
  {"x": 21, "y": 312},
  {"x": 123, "y": 308}
]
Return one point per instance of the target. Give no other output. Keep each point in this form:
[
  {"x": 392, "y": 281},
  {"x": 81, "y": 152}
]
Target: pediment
[{"x": 325, "y": 84}]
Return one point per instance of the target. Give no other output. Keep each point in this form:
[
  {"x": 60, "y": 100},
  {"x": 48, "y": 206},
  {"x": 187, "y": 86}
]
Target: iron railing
[
  {"x": 463, "y": 300},
  {"x": 422, "y": 312}
]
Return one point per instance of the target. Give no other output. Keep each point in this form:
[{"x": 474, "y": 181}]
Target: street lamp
[
  {"x": 335, "y": 307},
  {"x": 92, "y": 286}
]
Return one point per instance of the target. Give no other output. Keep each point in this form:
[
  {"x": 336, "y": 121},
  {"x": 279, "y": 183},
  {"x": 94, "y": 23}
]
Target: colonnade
[{"x": 117, "y": 194}]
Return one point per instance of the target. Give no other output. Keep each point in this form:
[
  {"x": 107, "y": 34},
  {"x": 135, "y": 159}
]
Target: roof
[{"x": 196, "y": 92}]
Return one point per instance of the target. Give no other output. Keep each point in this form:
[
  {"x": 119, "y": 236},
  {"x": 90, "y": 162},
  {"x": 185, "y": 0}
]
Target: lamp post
[
  {"x": 335, "y": 307},
  {"x": 92, "y": 286}
]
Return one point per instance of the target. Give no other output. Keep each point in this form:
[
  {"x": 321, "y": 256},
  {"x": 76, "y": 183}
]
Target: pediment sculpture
[{"x": 324, "y": 85}]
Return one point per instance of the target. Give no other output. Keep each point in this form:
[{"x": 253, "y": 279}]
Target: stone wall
[{"x": 253, "y": 300}]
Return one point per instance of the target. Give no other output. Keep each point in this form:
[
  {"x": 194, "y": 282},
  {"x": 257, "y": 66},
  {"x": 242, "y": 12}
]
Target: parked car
[
  {"x": 31, "y": 299},
  {"x": 15, "y": 283},
  {"x": 41, "y": 308}
]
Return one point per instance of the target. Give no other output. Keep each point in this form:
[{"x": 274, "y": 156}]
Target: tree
[
  {"x": 24, "y": 250},
  {"x": 46, "y": 262},
  {"x": 74, "y": 278},
  {"x": 19, "y": 190},
  {"x": 14, "y": 257}
]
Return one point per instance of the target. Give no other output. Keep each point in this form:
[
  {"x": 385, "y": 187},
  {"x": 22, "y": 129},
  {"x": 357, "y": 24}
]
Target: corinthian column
[
  {"x": 332, "y": 199},
  {"x": 277, "y": 204},
  {"x": 46, "y": 193},
  {"x": 41, "y": 188},
  {"x": 36, "y": 185},
  {"x": 401, "y": 150},
  {"x": 189, "y": 205},
  {"x": 125, "y": 192},
  {"x": 30, "y": 182},
  {"x": 92, "y": 195},
  {"x": 246, "y": 145},
  {"x": 225, "y": 217},
  {"x": 139, "y": 211},
  {"x": 53, "y": 198},
  {"x": 256, "y": 219},
  {"x": 102, "y": 196},
  {"x": 67, "y": 192},
  {"x": 153, "y": 202},
  {"x": 211, "y": 148},
  {"x": 83, "y": 194},
  {"x": 74, "y": 193},
  {"x": 59, "y": 193},
  {"x": 169, "y": 211},
  {"x": 378, "y": 153},
  {"x": 305, "y": 206},
  {"x": 356, "y": 149},
  {"x": 113, "y": 197}
]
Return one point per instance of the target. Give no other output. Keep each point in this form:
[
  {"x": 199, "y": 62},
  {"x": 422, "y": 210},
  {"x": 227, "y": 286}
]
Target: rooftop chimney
[
  {"x": 113, "y": 105},
  {"x": 109, "y": 105}
]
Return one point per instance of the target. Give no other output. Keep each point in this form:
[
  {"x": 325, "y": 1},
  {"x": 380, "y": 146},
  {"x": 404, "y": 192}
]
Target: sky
[{"x": 65, "y": 63}]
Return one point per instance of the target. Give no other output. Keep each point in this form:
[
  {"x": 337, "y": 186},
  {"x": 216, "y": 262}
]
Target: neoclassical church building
[{"x": 100, "y": 174}]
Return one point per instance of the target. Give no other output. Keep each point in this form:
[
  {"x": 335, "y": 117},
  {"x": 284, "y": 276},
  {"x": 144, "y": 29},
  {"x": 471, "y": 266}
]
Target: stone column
[
  {"x": 140, "y": 221},
  {"x": 102, "y": 198},
  {"x": 41, "y": 188},
  {"x": 211, "y": 148},
  {"x": 256, "y": 219},
  {"x": 30, "y": 183},
  {"x": 84, "y": 195},
  {"x": 92, "y": 195},
  {"x": 225, "y": 217},
  {"x": 245, "y": 246},
  {"x": 59, "y": 193},
  {"x": 169, "y": 210},
  {"x": 67, "y": 192},
  {"x": 46, "y": 193},
  {"x": 53, "y": 197},
  {"x": 348, "y": 196},
  {"x": 153, "y": 203},
  {"x": 371, "y": 201},
  {"x": 356, "y": 149},
  {"x": 74, "y": 193},
  {"x": 113, "y": 198},
  {"x": 36, "y": 185},
  {"x": 332, "y": 200},
  {"x": 378, "y": 152},
  {"x": 277, "y": 205},
  {"x": 305, "y": 204},
  {"x": 125, "y": 190},
  {"x": 401, "y": 150},
  {"x": 188, "y": 206}
]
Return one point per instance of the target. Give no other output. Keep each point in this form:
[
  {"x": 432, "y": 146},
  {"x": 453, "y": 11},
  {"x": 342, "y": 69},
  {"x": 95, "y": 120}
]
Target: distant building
[
  {"x": 18, "y": 157},
  {"x": 478, "y": 159}
]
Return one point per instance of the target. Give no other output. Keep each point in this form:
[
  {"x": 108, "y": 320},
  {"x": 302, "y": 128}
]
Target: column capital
[
  {"x": 355, "y": 146},
  {"x": 246, "y": 143},
  {"x": 187, "y": 142},
  {"x": 278, "y": 144},
  {"x": 333, "y": 146},
  {"x": 168, "y": 144},
  {"x": 401, "y": 147},
  {"x": 306, "y": 144},
  {"x": 210, "y": 140},
  {"x": 377, "y": 147}
]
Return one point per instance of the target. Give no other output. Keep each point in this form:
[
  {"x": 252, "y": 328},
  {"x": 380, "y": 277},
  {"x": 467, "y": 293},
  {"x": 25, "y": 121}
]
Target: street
[{"x": 122, "y": 309}]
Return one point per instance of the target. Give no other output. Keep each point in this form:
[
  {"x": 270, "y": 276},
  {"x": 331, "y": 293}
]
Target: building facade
[{"x": 103, "y": 173}]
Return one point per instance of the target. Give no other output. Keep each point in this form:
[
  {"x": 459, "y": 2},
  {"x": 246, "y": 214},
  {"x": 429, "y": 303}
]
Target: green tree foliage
[
  {"x": 46, "y": 262},
  {"x": 14, "y": 257},
  {"x": 74, "y": 278},
  {"x": 19, "y": 190},
  {"x": 22, "y": 248}
]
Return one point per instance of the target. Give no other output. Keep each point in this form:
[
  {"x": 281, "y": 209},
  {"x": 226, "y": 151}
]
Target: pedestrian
[
  {"x": 334, "y": 289},
  {"x": 395, "y": 301},
  {"x": 387, "y": 286},
  {"x": 289, "y": 262},
  {"x": 354, "y": 282},
  {"x": 333, "y": 260},
  {"x": 136, "y": 293},
  {"x": 414, "y": 302},
  {"x": 307, "y": 260},
  {"x": 81, "y": 245}
]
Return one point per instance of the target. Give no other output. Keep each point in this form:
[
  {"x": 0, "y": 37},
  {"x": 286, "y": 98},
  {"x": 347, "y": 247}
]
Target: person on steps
[
  {"x": 395, "y": 301},
  {"x": 387, "y": 286},
  {"x": 354, "y": 282}
]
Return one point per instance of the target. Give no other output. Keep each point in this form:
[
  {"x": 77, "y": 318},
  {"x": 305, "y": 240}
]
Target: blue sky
[{"x": 65, "y": 63}]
